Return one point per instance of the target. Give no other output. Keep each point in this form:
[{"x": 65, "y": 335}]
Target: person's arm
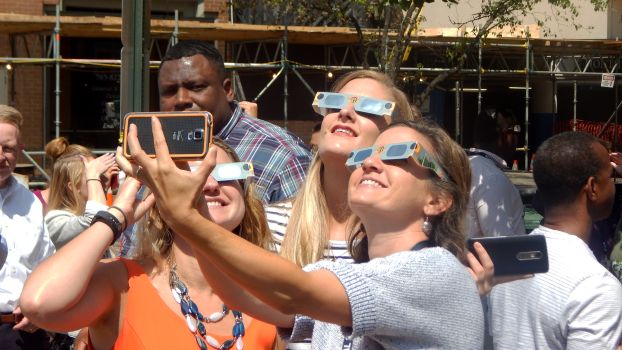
[
  {"x": 94, "y": 169},
  {"x": 616, "y": 161},
  {"x": 273, "y": 279},
  {"x": 482, "y": 270},
  {"x": 494, "y": 208},
  {"x": 234, "y": 295},
  {"x": 3, "y": 251},
  {"x": 64, "y": 226},
  {"x": 63, "y": 295}
]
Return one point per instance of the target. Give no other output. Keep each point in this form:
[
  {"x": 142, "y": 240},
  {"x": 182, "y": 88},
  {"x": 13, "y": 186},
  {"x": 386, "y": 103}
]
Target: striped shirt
[
  {"x": 280, "y": 158},
  {"x": 577, "y": 304},
  {"x": 278, "y": 216}
]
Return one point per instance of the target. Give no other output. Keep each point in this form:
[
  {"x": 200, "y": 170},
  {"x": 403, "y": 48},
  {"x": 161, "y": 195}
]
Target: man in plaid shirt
[{"x": 192, "y": 78}]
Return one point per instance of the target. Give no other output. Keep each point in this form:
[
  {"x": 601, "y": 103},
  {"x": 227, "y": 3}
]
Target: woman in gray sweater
[
  {"x": 76, "y": 190},
  {"x": 409, "y": 289}
]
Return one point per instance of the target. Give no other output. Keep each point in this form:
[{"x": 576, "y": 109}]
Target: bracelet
[
  {"x": 111, "y": 221},
  {"x": 100, "y": 181},
  {"x": 122, "y": 213}
]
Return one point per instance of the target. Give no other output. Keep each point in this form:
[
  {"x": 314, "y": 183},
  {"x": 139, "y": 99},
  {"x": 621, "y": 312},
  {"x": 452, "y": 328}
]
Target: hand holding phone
[
  {"x": 187, "y": 134},
  {"x": 515, "y": 255}
]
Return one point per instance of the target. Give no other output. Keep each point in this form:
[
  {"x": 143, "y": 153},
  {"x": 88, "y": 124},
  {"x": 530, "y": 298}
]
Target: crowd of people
[{"x": 357, "y": 242}]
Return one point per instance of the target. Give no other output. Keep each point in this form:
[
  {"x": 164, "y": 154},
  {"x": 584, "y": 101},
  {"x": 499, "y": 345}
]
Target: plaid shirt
[{"x": 280, "y": 158}]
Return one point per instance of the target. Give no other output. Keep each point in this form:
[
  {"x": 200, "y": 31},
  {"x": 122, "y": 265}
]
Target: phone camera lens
[{"x": 198, "y": 134}]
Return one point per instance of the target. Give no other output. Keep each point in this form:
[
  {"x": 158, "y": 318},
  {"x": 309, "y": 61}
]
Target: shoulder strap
[{"x": 423, "y": 244}]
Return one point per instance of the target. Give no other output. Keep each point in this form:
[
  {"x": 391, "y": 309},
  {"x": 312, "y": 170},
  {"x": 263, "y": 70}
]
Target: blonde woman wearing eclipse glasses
[
  {"x": 317, "y": 223},
  {"x": 409, "y": 291}
]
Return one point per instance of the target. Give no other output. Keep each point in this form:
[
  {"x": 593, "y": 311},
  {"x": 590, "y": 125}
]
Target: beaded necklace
[{"x": 195, "y": 320}]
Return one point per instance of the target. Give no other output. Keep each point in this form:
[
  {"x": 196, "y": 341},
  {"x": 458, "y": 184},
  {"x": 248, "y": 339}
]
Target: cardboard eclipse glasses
[
  {"x": 326, "y": 102},
  {"x": 224, "y": 172},
  {"x": 397, "y": 151}
]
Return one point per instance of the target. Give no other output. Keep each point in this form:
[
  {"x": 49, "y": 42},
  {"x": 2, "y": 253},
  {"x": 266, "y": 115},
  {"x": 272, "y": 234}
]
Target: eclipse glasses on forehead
[
  {"x": 324, "y": 102},
  {"x": 397, "y": 151},
  {"x": 231, "y": 171}
]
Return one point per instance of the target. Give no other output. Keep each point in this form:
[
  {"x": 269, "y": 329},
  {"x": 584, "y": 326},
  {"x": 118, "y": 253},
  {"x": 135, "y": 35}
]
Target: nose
[
  {"x": 183, "y": 100},
  {"x": 372, "y": 164},
  {"x": 347, "y": 112},
  {"x": 211, "y": 186}
]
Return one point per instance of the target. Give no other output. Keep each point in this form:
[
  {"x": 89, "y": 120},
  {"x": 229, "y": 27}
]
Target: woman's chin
[
  {"x": 362, "y": 207},
  {"x": 225, "y": 222},
  {"x": 334, "y": 155}
]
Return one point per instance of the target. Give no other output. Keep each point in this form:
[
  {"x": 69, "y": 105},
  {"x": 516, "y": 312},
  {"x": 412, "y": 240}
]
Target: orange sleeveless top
[{"x": 149, "y": 324}]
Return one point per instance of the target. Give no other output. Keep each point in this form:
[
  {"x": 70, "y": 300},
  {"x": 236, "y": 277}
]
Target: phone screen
[{"x": 187, "y": 134}]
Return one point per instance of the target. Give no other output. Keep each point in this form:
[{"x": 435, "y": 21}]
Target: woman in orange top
[{"x": 159, "y": 300}]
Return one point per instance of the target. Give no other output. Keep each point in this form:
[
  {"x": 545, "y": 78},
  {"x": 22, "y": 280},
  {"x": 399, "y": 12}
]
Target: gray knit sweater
[{"x": 420, "y": 299}]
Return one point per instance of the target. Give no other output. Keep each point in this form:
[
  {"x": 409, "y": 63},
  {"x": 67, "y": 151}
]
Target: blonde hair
[
  {"x": 61, "y": 146},
  {"x": 11, "y": 116},
  {"x": 449, "y": 227},
  {"x": 403, "y": 109},
  {"x": 306, "y": 235},
  {"x": 157, "y": 239},
  {"x": 68, "y": 169}
]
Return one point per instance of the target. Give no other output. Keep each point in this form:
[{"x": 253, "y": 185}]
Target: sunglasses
[
  {"x": 325, "y": 102},
  {"x": 397, "y": 151},
  {"x": 224, "y": 172}
]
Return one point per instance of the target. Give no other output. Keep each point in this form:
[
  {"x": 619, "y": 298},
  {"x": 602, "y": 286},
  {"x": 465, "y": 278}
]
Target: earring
[{"x": 427, "y": 226}]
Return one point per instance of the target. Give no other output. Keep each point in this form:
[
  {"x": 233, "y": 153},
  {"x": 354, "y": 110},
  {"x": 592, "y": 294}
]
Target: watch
[{"x": 110, "y": 221}]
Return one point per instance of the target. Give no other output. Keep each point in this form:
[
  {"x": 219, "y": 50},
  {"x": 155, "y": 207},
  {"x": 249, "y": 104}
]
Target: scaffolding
[{"x": 262, "y": 48}]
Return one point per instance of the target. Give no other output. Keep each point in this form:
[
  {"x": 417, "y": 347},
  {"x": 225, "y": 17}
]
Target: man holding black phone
[
  {"x": 192, "y": 78},
  {"x": 578, "y": 303}
]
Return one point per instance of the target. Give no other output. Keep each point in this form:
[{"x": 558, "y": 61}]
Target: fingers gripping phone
[
  {"x": 188, "y": 134},
  {"x": 515, "y": 255}
]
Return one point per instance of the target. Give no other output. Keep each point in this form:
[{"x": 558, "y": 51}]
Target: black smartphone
[
  {"x": 188, "y": 134},
  {"x": 515, "y": 255}
]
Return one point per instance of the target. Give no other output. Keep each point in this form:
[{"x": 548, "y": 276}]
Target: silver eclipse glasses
[
  {"x": 224, "y": 172},
  {"x": 397, "y": 151},
  {"x": 327, "y": 102}
]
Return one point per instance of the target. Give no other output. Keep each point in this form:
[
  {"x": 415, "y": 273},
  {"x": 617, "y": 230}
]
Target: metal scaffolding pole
[
  {"x": 479, "y": 77},
  {"x": 57, "y": 91},
  {"x": 527, "y": 66},
  {"x": 615, "y": 121},
  {"x": 46, "y": 103},
  {"x": 574, "y": 106},
  {"x": 135, "y": 37},
  {"x": 554, "y": 96},
  {"x": 175, "y": 34},
  {"x": 457, "y": 98},
  {"x": 253, "y": 66},
  {"x": 284, "y": 65}
]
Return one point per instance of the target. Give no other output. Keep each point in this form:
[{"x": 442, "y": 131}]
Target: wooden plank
[{"x": 110, "y": 27}]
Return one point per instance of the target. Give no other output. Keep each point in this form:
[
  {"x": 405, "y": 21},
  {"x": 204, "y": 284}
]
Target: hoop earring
[{"x": 427, "y": 226}]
